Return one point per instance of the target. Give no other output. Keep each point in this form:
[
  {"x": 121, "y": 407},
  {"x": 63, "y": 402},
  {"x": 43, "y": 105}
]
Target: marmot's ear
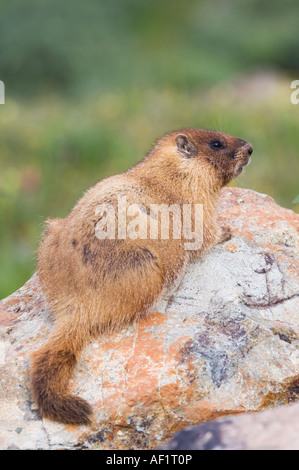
[{"x": 185, "y": 146}]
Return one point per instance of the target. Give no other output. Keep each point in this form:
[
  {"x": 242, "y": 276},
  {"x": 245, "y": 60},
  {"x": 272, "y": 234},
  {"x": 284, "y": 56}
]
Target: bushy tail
[{"x": 51, "y": 370}]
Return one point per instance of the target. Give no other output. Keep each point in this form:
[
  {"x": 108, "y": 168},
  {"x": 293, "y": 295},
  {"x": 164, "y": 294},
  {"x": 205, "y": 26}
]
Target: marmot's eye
[{"x": 215, "y": 144}]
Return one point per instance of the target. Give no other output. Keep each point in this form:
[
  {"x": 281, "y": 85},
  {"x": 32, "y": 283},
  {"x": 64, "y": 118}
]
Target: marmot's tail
[{"x": 51, "y": 370}]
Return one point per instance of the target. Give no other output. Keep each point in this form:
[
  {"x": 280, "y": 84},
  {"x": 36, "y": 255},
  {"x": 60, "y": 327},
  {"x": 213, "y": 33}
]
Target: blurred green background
[{"x": 90, "y": 85}]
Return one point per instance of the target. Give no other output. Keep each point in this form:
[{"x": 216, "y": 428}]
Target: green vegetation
[
  {"x": 90, "y": 86},
  {"x": 73, "y": 46}
]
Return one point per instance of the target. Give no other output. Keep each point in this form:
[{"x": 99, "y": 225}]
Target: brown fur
[{"x": 94, "y": 286}]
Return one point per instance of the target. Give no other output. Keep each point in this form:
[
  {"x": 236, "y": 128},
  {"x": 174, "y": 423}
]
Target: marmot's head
[{"x": 195, "y": 149}]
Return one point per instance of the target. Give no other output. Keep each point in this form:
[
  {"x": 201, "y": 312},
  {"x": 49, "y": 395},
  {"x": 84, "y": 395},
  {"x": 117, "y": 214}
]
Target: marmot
[{"x": 95, "y": 284}]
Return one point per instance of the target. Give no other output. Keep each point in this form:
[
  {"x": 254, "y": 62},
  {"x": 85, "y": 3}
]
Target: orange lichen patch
[
  {"x": 206, "y": 410},
  {"x": 144, "y": 368},
  {"x": 8, "y": 318},
  {"x": 284, "y": 396},
  {"x": 85, "y": 434},
  {"x": 111, "y": 405},
  {"x": 202, "y": 411},
  {"x": 231, "y": 247},
  {"x": 137, "y": 366},
  {"x": 289, "y": 262},
  {"x": 244, "y": 234},
  {"x": 249, "y": 211},
  {"x": 13, "y": 307},
  {"x": 148, "y": 350},
  {"x": 142, "y": 371},
  {"x": 154, "y": 319},
  {"x": 293, "y": 269},
  {"x": 277, "y": 249},
  {"x": 123, "y": 345},
  {"x": 71, "y": 428},
  {"x": 174, "y": 349},
  {"x": 170, "y": 394}
]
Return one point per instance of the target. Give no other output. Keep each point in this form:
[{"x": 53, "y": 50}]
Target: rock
[
  {"x": 276, "y": 429},
  {"x": 224, "y": 341}
]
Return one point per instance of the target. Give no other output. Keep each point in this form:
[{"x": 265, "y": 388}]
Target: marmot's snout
[{"x": 244, "y": 155}]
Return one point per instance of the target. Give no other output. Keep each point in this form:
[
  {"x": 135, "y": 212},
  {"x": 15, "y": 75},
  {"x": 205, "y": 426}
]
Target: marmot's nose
[{"x": 249, "y": 148}]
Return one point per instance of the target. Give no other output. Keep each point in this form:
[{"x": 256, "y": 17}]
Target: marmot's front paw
[{"x": 225, "y": 234}]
